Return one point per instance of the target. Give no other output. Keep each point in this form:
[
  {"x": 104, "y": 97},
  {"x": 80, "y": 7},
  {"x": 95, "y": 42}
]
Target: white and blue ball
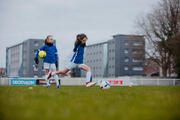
[{"x": 104, "y": 85}]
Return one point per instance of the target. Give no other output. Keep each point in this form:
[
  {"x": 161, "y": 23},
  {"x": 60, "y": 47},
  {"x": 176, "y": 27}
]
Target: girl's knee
[
  {"x": 63, "y": 72},
  {"x": 53, "y": 70},
  {"x": 89, "y": 69},
  {"x": 46, "y": 71}
]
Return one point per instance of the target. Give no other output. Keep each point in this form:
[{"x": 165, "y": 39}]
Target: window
[
  {"x": 136, "y": 52},
  {"x": 126, "y": 43},
  {"x": 137, "y": 68},
  {"x": 126, "y": 68},
  {"x": 126, "y": 60},
  {"x": 136, "y": 60},
  {"x": 125, "y": 51},
  {"x": 36, "y": 43},
  {"x": 35, "y": 50},
  {"x": 137, "y": 44}
]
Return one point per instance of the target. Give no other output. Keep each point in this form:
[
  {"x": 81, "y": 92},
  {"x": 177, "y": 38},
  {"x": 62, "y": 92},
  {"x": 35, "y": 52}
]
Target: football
[
  {"x": 104, "y": 85},
  {"x": 42, "y": 54}
]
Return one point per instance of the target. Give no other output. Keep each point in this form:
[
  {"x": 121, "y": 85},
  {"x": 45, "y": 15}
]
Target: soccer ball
[
  {"x": 104, "y": 85},
  {"x": 42, "y": 54}
]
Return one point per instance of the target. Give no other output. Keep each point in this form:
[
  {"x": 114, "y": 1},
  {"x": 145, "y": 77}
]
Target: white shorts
[
  {"x": 72, "y": 65},
  {"x": 49, "y": 66}
]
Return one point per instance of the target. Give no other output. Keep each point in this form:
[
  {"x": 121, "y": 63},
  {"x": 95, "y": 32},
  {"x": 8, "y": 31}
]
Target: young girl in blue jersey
[
  {"x": 51, "y": 59},
  {"x": 77, "y": 60}
]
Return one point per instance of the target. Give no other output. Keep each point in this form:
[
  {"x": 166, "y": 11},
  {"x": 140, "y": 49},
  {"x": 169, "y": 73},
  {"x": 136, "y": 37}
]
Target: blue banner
[{"x": 23, "y": 82}]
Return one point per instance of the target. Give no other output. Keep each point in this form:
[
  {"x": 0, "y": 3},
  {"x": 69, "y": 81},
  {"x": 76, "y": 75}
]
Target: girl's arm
[
  {"x": 36, "y": 58},
  {"x": 56, "y": 57},
  {"x": 56, "y": 54},
  {"x": 42, "y": 48}
]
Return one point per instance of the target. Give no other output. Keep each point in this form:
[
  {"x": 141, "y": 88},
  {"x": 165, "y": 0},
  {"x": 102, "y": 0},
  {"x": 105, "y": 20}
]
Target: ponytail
[
  {"x": 77, "y": 39},
  {"x": 45, "y": 41}
]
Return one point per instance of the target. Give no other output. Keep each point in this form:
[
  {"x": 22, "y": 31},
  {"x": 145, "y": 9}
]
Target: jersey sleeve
[
  {"x": 42, "y": 48},
  {"x": 56, "y": 54}
]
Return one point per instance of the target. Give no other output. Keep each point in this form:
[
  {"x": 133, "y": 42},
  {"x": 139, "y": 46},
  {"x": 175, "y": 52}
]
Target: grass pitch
[{"x": 81, "y": 103}]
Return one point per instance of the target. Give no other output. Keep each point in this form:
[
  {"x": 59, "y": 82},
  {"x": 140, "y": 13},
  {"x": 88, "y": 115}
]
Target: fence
[{"x": 120, "y": 81}]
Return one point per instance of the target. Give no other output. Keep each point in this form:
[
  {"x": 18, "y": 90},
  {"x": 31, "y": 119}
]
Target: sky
[{"x": 64, "y": 19}]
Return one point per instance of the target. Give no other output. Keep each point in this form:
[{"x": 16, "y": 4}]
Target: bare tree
[
  {"x": 160, "y": 28},
  {"x": 175, "y": 48}
]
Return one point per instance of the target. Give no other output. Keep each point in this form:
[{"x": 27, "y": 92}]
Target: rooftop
[
  {"x": 97, "y": 44},
  {"x": 118, "y": 35},
  {"x": 24, "y": 41}
]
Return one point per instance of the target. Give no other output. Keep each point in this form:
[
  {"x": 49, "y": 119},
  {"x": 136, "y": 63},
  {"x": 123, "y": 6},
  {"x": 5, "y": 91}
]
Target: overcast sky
[{"x": 99, "y": 19}]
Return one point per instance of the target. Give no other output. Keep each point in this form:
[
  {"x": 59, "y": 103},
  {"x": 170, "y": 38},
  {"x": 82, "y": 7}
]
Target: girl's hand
[{"x": 36, "y": 60}]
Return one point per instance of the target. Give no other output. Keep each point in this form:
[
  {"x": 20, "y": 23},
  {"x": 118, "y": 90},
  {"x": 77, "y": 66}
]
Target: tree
[
  {"x": 175, "y": 48},
  {"x": 161, "y": 28}
]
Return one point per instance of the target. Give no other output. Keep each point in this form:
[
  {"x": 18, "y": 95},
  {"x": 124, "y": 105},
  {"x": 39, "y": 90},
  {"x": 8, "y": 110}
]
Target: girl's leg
[
  {"x": 46, "y": 74},
  {"x": 62, "y": 71},
  {"x": 88, "y": 74},
  {"x": 54, "y": 73},
  {"x": 55, "y": 76}
]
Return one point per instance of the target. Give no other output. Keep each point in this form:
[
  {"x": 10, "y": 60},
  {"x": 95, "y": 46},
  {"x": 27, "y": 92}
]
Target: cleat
[
  {"x": 90, "y": 84},
  {"x": 49, "y": 75},
  {"x": 48, "y": 86},
  {"x": 58, "y": 86}
]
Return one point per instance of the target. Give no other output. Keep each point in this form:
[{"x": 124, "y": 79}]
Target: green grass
[{"x": 80, "y": 103}]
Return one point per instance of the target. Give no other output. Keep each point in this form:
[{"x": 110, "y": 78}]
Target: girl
[
  {"x": 77, "y": 60},
  {"x": 51, "y": 59}
]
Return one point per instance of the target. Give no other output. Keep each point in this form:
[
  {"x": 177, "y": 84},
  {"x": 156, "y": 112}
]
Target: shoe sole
[{"x": 92, "y": 85}]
